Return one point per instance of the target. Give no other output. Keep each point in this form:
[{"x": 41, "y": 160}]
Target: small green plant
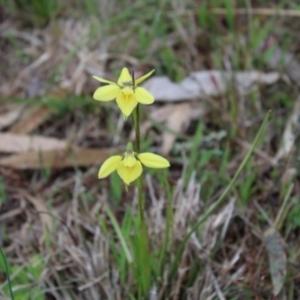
[
  {"x": 129, "y": 96},
  {"x": 36, "y": 12},
  {"x": 21, "y": 282}
]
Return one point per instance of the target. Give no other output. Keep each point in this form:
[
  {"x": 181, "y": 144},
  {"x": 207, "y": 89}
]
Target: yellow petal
[
  {"x": 141, "y": 79},
  {"x": 143, "y": 96},
  {"x": 125, "y": 78},
  {"x": 103, "y": 80},
  {"x": 109, "y": 166},
  {"x": 107, "y": 93},
  {"x": 129, "y": 160},
  {"x": 152, "y": 160},
  {"x": 126, "y": 103},
  {"x": 127, "y": 174}
]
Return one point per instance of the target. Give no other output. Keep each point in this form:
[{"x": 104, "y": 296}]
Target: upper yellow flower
[
  {"x": 125, "y": 91},
  {"x": 129, "y": 166}
]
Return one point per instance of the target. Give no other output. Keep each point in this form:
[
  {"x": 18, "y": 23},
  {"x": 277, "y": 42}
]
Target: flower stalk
[
  {"x": 143, "y": 233},
  {"x": 136, "y": 118}
]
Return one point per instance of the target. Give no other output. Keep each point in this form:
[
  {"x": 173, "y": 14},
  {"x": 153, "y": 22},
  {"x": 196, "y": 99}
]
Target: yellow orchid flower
[
  {"x": 129, "y": 166},
  {"x": 126, "y": 92}
]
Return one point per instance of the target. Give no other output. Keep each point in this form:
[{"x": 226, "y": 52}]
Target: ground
[{"x": 223, "y": 221}]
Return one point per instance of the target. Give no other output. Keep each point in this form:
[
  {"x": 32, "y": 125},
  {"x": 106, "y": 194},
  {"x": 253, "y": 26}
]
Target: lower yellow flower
[{"x": 129, "y": 166}]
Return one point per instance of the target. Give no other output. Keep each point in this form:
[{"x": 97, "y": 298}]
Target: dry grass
[{"x": 56, "y": 234}]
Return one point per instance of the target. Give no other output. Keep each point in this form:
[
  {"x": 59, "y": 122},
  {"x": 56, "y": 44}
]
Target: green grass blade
[
  {"x": 7, "y": 273},
  {"x": 119, "y": 234}
]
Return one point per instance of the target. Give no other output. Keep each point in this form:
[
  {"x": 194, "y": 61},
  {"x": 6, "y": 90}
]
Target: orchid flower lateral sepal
[
  {"x": 129, "y": 166},
  {"x": 126, "y": 92}
]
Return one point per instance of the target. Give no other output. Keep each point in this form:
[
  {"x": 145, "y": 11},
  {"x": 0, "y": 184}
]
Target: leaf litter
[
  {"x": 277, "y": 259},
  {"x": 205, "y": 84},
  {"x": 16, "y": 143},
  {"x": 229, "y": 247}
]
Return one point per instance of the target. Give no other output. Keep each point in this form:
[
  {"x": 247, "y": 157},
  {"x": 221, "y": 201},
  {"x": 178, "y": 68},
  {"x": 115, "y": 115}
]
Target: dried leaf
[
  {"x": 43, "y": 213},
  {"x": 31, "y": 120},
  {"x": 174, "y": 116},
  {"x": 57, "y": 159},
  {"x": 207, "y": 83},
  {"x": 11, "y": 116},
  {"x": 290, "y": 132},
  {"x": 159, "y": 115},
  {"x": 15, "y": 143},
  {"x": 277, "y": 259},
  {"x": 176, "y": 119}
]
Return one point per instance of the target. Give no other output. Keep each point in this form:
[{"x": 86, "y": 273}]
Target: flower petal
[
  {"x": 141, "y": 79},
  {"x": 107, "y": 92},
  {"x": 128, "y": 175},
  {"x": 103, "y": 80},
  {"x": 126, "y": 103},
  {"x": 125, "y": 77},
  {"x": 143, "y": 96},
  {"x": 109, "y": 166},
  {"x": 129, "y": 160},
  {"x": 152, "y": 160}
]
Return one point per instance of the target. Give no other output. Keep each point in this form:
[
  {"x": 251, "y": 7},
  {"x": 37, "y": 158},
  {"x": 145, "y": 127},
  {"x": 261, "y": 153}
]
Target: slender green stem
[
  {"x": 141, "y": 200},
  {"x": 219, "y": 201},
  {"x": 7, "y": 274},
  {"x": 136, "y": 119},
  {"x": 143, "y": 265}
]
